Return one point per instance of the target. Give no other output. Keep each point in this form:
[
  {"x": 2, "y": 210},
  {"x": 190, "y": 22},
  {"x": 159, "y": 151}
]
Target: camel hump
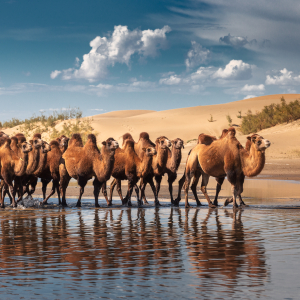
[
  {"x": 206, "y": 139},
  {"x": 37, "y": 135},
  {"x": 54, "y": 143},
  {"x": 76, "y": 140},
  {"x": 129, "y": 144},
  {"x": 144, "y": 135},
  {"x": 231, "y": 132},
  {"x": 224, "y": 133},
  {"x": 126, "y": 136},
  {"x": 92, "y": 138},
  {"x": 21, "y": 139}
]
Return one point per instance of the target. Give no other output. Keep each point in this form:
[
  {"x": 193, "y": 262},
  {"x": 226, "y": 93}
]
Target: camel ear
[
  {"x": 104, "y": 143},
  {"x": 249, "y": 138},
  {"x": 144, "y": 149},
  {"x": 31, "y": 142},
  {"x": 182, "y": 146},
  {"x": 253, "y": 139}
]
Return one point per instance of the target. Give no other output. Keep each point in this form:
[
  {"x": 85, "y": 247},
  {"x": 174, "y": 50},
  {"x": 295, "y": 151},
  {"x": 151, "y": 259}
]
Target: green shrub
[
  {"x": 229, "y": 120},
  {"x": 270, "y": 116}
]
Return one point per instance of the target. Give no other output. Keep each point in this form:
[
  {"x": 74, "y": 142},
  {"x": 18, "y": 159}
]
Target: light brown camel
[
  {"x": 173, "y": 162},
  {"x": 51, "y": 170},
  {"x": 226, "y": 157},
  {"x": 84, "y": 162},
  {"x": 128, "y": 166},
  {"x": 193, "y": 170},
  {"x": 12, "y": 165}
]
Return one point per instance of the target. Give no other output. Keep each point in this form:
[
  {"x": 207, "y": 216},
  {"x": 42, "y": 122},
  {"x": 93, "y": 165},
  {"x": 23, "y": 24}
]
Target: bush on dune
[{"x": 270, "y": 116}]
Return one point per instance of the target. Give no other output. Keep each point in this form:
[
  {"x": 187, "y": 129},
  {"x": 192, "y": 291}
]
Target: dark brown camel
[
  {"x": 128, "y": 166},
  {"x": 83, "y": 162},
  {"x": 159, "y": 161},
  {"x": 12, "y": 165},
  {"x": 51, "y": 171},
  {"x": 173, "y": 162}
]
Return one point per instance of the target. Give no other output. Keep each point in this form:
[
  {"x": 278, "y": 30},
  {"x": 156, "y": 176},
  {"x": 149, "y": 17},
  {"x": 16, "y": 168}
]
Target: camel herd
[{"x": 142, "y": 162}]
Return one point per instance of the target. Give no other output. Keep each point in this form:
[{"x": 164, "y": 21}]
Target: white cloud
[
  {"x": 284, "y": 77},
  {"x": 172, "y": 80},
  {"x": 235, "y": 69},
  {"x": 196, "y": 56},
  {"x": 54, "y": 74},
  {"x": 117, "y": 48},
  {"x": 250, "y": 96},
  {"x": 253, "y": 88},
  {"x": 77, "y": 60}
]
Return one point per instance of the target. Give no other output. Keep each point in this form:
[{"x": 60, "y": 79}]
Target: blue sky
[{"x": 113, "y": 55}]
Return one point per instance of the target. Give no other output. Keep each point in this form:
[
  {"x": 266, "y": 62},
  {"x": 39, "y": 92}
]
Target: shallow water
[{"x": 150, "y": 253}]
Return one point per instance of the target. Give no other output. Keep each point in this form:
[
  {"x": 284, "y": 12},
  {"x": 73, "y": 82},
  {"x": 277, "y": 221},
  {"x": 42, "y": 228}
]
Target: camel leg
[
  {"x": 2, "y": 193},
  {"x": 196, "y": 178},
  {"x": 12, "y": 193},
  {"x": 143, "y": 184},
  {"x": 186, "y": 190},
  {"x": 180, "y": 185},
  {"x": 158, "y": 179},
  {"x": 137, "y": 191},
  {"x": 171, "y": 179},
  {"x": 119, "y": 190},
  {"x": 82, "y": 183},
  {"x": 64, "y": 182},
  {"x": 234, "y": 180},
  {"x": 18, "y": 186},
  {"x": 97, "y": 186},
  {"x": 154, "y": 191},
  {"x": 45, "y": 183},
  {"x": 104, "y": 192},
  {"x": 230, "y": 200},
  {"x": 112, "y": 186},
  {"x": 220, "y": 181},
  {"x": 204, "y": 184}
]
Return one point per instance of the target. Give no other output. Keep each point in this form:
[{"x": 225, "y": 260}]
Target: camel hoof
[
  {"x": 78, "y": 204},
  {"x": 227, "y": 201},
  {"x": 212, "y": 206},
  {"x": 157, "y": 203},
  {"x": 199, "y": 204},
  {"x": 129, "y": 203},
  {"x": 97, "y": 205}
]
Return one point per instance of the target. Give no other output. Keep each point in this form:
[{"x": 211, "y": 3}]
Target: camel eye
[{"x": 259, "y": 142}]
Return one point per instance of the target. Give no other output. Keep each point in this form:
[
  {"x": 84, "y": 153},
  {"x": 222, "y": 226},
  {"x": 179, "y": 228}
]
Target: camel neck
[
  {"x": 174, "y": 160},
  {"x": 42, "y": 163},
  {"x": 144, "y": 166},
  {"x": 33, "y": 160},
  {"x": 21, "y": 164},
  {"x": 104, "y": 165},
  {"x": 252, "y": 162}
]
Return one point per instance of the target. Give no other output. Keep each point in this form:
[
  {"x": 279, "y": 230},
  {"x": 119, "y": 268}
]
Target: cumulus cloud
[
  {"x": 253, "y": 88},
  {"x": 171, "y": 80},
  {"x": 117, "y": 48},
  {"x": 196, "y": 56},
  {"x": 284, "y": 77},
  {"x": 235, "y": 69}
]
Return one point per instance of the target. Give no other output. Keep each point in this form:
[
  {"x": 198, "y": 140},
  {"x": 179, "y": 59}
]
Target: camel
[
  {"x": 83, "y": 162},
  {"x": 173, "y": 162},
  {"x": 128, "y": 166},
  {"x": 159, "y": 161},
  {"x": 226, "y": 157},
  {"x": 194, "y": 171},
  {"x": 12, "y": 165},
  {"x": 51, "y": 170}
]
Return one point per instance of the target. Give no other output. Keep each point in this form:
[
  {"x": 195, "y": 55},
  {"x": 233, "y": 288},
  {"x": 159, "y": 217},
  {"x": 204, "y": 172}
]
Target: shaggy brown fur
[
  {"x": 128, "y": 166},
  {"x": 12, "y": 165},
  {"x": 173, "y": 162},
  {"x": 225, "y": 157},
  {"x": 82, "y": 163}
]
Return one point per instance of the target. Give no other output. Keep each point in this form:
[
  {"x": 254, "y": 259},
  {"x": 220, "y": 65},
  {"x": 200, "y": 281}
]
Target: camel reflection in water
[
  {"x": 231, "y": 254},
  {"x": 121, "y": 243}
]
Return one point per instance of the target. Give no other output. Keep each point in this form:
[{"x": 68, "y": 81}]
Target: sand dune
[{"x": 187, "y": 123}]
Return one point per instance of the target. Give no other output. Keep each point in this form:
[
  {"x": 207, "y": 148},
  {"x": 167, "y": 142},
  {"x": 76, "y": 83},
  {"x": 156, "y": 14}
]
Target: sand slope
[{"x": 188, "y": 123}]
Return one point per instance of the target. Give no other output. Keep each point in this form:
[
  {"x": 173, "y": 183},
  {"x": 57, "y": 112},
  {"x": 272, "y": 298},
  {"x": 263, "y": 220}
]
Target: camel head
[
  {"x": 36, "y": 142},
  {"x": 163, "y": 142},
  {"x": 63, "y": 141},
  {"x": 150, "y": 151},
  {"x": 110, "y": 144},
  {"x": 177, "y": 143},
  {"x": 259, "y": 142},
  {"x": 45, "y": 147},
  {"x": 26, "y": 147}
]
